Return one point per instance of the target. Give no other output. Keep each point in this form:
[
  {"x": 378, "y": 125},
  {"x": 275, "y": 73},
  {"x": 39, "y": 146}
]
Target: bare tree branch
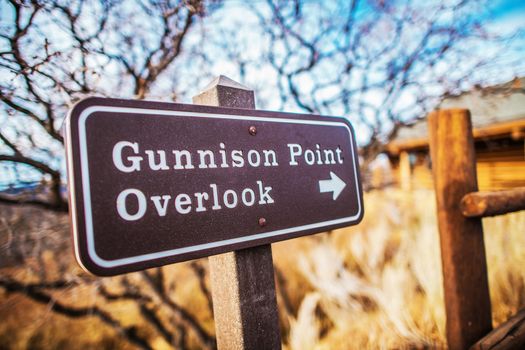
[
  {"x": 155, "y": 281},
  {"x": 52, "y": 54},
  {"x": 36, "y": 294},
  {"x": 200, "y": 272},
  {"x": 383, "y": 66}
]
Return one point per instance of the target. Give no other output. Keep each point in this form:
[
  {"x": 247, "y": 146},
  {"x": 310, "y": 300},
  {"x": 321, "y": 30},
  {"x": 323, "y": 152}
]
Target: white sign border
[{"x": 178, "y": 251}]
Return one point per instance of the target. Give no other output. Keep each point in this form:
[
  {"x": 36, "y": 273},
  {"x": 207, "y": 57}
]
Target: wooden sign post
[
  {"x": 243, "y": 285},
  {"x": 155, "y": 183}
]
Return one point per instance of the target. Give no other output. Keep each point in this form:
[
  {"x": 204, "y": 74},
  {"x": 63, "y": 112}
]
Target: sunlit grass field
[
  {"x": 375, "y": 285},
  {"x": 379, "y": 285}
]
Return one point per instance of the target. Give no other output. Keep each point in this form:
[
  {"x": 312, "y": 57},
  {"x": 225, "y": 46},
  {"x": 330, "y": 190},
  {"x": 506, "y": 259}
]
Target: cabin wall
[{"x": 500, "y": 165}]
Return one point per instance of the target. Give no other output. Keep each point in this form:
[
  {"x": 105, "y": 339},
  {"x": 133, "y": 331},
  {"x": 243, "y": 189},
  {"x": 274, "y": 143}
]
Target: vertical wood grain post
[
  {"x": 243, "y": 286},
  {"x": 467, "y": 300}
]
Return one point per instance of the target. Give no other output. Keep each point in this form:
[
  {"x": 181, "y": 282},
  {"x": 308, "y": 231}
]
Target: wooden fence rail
[
  {"x": 510, "y": 335},
  {"x": 460, "y": 208},
  {"x": 483, "y": 204}
]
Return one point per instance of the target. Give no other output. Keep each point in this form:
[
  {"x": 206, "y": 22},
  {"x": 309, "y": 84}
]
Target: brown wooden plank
[
  {"x": 243, "y": 286},
  {"x": 508, "y": 336},
  {"x": 491, "y": 175},
  {"x": 483, "y": 204},
  {"x": 467, "y": 300}
]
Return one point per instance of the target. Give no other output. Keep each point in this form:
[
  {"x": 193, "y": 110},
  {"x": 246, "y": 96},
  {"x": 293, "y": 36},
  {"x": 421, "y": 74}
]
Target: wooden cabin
[{"x": 498, "y": 118}]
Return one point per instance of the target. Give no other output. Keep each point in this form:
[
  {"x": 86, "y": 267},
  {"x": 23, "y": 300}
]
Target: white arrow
[{"x": 335, "y": 185}]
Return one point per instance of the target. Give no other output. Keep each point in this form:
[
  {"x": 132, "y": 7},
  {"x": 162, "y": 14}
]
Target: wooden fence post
[
  {"x": 243, "y": 286},
  {"x": 467, "y": 300}
]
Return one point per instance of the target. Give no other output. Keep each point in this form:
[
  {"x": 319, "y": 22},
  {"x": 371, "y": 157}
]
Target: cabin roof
[{"x": 496, "y": 111}]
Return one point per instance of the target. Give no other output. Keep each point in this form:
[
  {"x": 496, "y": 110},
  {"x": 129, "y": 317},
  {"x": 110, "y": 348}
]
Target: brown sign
[{"x": 154, "y": 183}]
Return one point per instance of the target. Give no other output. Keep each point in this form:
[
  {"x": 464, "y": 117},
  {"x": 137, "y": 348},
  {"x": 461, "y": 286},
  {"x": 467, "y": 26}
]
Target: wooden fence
[{"x": 460, "y": 208}]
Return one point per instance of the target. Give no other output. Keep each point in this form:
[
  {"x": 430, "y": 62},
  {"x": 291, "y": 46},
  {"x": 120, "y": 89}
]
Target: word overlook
[{"x": 129, "y": 157}]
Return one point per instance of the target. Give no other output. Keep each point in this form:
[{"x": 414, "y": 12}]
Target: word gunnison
[{"x": 128, "y": 157}]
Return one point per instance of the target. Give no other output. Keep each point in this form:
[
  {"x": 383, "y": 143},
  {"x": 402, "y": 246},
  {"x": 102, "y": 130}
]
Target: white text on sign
[{"x": 128, "y": 157}]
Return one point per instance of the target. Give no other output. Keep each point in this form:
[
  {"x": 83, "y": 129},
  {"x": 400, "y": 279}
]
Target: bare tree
[
  {"x": 383, "y": 64},
  {"x": 51, "y": 55},
  {"x": 54, "y": 53}
]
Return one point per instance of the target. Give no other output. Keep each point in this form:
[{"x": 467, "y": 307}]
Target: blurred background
[{"x": 384, "y": 65}]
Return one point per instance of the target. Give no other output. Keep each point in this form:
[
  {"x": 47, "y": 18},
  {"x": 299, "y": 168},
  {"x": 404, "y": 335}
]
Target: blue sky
[{"x": 503, "y": 8}]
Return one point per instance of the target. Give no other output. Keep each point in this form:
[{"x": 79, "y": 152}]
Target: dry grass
[
  {"x": 379, "y": 285},
  {"x": 376, "y": 285}
]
